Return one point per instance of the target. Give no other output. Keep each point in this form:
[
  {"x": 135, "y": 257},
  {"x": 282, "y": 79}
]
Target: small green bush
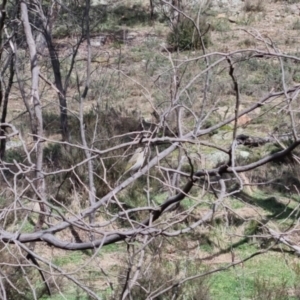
[
  {"x": 14, "y": 154},
  {"x": 221, "y": 25},
  {"x": 254, "y": 6},
  {"x": 184, "y": 35}
]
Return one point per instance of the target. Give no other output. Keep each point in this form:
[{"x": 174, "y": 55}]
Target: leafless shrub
[{"x": 159, "y": 271}]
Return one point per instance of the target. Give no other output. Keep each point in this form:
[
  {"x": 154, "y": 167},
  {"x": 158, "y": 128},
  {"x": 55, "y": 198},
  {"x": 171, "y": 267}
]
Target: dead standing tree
[{"x": 7, "y": 70}]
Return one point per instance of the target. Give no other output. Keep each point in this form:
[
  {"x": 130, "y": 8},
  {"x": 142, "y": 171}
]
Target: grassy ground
[{"x": 131, "y": 78}]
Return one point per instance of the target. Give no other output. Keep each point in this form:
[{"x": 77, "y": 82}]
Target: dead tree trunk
[{"x": 37, "y": 113}]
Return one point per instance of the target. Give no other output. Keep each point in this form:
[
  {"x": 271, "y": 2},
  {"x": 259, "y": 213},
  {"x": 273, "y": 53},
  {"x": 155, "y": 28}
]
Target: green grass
[
  {"x": 75, "y": 258},
  {"x": 27, "y": 227},
  {"x": 206, "y": 247},
  {"x": 221, "y": 25},
  {"x": 160, "y": 198},
  {"x": 242, "y": 282},
  {"x": 235, "y": 204},
  {"x": 71, "y": 295},
  {"x": 111, "y": 248}
]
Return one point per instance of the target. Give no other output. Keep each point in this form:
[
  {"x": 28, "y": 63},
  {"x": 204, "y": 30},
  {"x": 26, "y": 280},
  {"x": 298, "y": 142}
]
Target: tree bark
[{"x": 37, "y": 112}]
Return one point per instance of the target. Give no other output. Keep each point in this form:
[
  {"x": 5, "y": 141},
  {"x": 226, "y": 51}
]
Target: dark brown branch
[
  {"x": 5, "y": 104},
  {"x": 35, "y": 262}
]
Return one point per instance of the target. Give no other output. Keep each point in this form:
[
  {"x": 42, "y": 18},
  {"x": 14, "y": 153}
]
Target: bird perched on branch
[{"x": 137, "y": 160}]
